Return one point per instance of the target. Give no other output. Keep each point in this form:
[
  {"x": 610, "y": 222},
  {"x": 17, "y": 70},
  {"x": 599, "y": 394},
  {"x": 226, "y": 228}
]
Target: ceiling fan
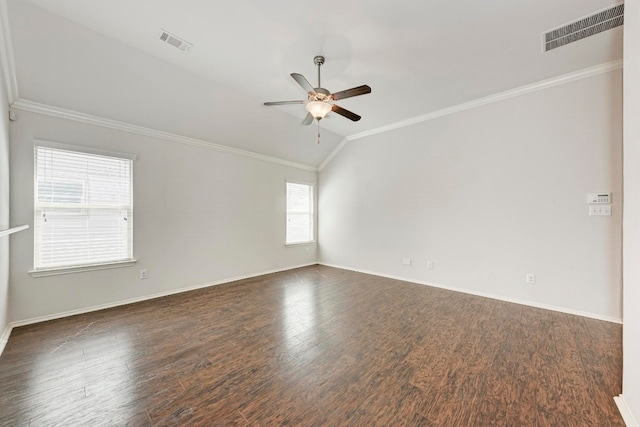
[{"x": 320, "y": 100}]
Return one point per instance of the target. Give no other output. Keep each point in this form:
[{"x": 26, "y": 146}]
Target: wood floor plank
[{"x": 314, "y": 346}]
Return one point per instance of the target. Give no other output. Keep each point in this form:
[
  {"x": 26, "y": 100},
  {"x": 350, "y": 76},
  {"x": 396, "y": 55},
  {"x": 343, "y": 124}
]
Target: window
[
  {"x": 299, "y": 213},
  {"x": 83, "y": 209}
]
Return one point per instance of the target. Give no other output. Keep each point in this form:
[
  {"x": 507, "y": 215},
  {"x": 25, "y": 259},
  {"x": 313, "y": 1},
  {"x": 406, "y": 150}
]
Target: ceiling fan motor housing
[{"x": 321, "y": 95}]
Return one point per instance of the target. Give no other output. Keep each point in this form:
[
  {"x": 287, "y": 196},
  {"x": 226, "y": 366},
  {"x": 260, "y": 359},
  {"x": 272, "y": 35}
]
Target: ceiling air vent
[
  {"x": 175, "y": 41},
  {"x": 585, "y": 27}
]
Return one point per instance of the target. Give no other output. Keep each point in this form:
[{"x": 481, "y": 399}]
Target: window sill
[
  {"x": 292, "y": 245},
  {"x": 79, "y": 269}
]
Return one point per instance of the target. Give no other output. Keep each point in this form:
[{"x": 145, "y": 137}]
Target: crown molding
[
  {"x": 501, "y": 96},
  {"x": 62, "y": 113},
  {"x": 332, "y": 154},
  {"x": 7, "y": 60},
  {"x": 512, "y": 93}
]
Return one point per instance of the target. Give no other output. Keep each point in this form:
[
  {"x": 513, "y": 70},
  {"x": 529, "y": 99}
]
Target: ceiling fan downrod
[{"x": 318, "y": 60}]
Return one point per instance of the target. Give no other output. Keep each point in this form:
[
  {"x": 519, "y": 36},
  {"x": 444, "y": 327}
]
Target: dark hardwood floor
[{"x": 315, "y": 346}]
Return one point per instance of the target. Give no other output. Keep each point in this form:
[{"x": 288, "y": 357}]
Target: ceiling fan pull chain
[{"x": 318, "y": 131}]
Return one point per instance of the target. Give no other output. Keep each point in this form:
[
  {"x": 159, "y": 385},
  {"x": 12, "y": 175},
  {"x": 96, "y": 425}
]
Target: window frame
[
  {"x": 101, "y": 265},
  {"x": 312, "y": 214}
]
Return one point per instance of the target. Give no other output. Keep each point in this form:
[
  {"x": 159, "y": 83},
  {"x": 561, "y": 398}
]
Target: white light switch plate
[{"x": 599, "y": 210}]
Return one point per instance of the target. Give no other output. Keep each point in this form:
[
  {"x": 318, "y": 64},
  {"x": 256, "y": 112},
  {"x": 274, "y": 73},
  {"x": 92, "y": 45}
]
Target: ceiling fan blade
[
  {"x": 354, "y": 91},
  {"x": 346, "y": 113},
  {"x": 308, "y": 119},
  {"x": 283, "y": 102},
  {"x": 304, "y": 83}
]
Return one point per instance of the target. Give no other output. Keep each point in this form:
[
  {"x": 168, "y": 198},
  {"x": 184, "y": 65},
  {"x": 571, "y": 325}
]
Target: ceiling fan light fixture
[{"x": 318, "y": 109}]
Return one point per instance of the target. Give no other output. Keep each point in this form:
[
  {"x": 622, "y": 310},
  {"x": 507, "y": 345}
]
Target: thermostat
[{"x": 599, "y": 198}]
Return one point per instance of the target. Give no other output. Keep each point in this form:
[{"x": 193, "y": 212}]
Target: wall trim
[
  {"x": 501, "y": 96},
  {"x": 331, "y": 155},
  {"x": 625, "y": 411},
  {"x": 5, "y": 336},
  {"x": 62, "y": 113},
  {"x": 484, "y": 294},
  {"x": 7, "y": 60}
]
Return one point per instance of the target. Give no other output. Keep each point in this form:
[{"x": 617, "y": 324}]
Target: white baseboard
[
  {"x": 5, "y": 336},
  {"x": 484, "y": 294},
  {"x": 626, "y": 413},
  {"x": 7, "y": 331}
]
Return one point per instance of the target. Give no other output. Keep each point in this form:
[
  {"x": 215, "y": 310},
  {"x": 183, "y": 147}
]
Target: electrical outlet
[
  {"x": 406, "y": 261},
  {"x": 144, "y": 274},
  {"x": 429, "y": 265},
  {"x": 531, "y": 279}
]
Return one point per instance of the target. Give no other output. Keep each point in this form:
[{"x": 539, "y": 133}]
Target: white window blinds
[
  {"x": 299, "y": 213},
  {"x": 83, "y": 209}
]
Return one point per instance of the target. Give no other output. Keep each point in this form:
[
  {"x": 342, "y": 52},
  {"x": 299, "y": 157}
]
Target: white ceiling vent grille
[
  {"x": 578, "y": 30},
  {"x": 175, "y": 41}
]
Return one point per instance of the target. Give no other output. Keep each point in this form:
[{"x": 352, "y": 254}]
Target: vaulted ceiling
[{"x": 104, "y": 58}]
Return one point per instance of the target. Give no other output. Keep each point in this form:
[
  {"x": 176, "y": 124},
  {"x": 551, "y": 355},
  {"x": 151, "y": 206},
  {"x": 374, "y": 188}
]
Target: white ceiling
[{"x": 103, "y": 58}]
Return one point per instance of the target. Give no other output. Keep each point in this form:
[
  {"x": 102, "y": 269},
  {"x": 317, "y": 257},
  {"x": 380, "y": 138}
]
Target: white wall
[
  {"x": 199, "y": 216},
  {"x": 631, "y": 331},
  {"x": 4, "y": 204},
  {"x": 489, "y": 195}
]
